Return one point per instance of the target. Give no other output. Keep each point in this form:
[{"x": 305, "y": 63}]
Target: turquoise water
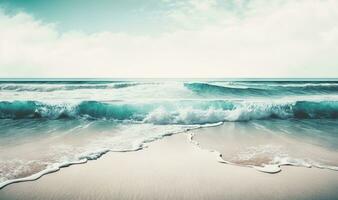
[{"x": 47, "y": 123}]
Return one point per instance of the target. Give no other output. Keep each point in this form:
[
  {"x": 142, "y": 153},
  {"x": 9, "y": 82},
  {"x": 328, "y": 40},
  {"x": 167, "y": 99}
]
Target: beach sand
[{"x": 174, "y": 168}]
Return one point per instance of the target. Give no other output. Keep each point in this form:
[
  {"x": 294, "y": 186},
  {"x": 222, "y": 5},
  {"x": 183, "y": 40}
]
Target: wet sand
[
  {"x": 246, "y": 143},
  {"x": 174, "y": 168}
]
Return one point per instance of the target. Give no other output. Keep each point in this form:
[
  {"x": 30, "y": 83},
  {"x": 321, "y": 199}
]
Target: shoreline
[
  {"x": 270, "y": 169},
  {"x": 174, "y": 160},
  {"x": 94, "y": 156},
  {"x": 209, "y": 140}
]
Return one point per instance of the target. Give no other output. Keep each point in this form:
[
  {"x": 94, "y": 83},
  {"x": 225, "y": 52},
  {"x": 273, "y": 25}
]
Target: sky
[{"x": 169, "y": 38}]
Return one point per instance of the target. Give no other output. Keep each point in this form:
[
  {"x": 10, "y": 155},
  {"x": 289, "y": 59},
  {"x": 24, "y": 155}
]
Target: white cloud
[{"x": 289, "y": 39}]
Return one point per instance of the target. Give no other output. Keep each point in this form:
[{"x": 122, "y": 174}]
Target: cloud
[{"x": 261, "y": 39}]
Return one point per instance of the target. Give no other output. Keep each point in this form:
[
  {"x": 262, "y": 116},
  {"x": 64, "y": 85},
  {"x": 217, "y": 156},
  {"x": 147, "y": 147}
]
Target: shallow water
[
  {"x": 306, "y": 143},
  {"x": 49, "y": 123}
]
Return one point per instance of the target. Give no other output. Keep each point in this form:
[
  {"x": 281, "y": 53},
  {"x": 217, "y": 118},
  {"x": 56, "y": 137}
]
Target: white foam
[
  {"x": 272, "y": 169},
  {"x": 50, "y": 169}
]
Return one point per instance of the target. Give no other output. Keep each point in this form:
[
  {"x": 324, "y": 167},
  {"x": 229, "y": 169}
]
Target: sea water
[{"x": 46, "y": 124}]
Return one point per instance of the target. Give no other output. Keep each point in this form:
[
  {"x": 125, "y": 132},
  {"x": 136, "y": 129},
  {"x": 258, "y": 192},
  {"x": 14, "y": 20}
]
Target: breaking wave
[{"x": 172, "y": 112}]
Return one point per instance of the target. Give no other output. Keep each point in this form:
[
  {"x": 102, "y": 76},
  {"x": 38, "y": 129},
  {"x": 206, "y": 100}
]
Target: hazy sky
[{"x": 169, "y": 38}]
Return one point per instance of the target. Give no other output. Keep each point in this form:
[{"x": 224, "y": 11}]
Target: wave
[
  {"x": 172, "y": 112},
  {"x": 206, "y": 88},
  {"x": 259, "y": 89},
  {"x": 57, "y": 87},
  {"x": 275, "y": 84}
]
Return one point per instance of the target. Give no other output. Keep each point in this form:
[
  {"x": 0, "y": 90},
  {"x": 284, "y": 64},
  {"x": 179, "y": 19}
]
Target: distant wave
[
  {"x": 178, "y": 112},
  {"x": 275, "y": 84},
  {"x": 259, "y": 89},
  {"x": 206, "y": 88},
  {"x": 56, "y": 87}
]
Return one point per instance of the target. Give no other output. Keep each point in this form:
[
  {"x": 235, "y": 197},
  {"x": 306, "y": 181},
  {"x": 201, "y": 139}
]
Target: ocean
[{"x": 46, "y": 124}]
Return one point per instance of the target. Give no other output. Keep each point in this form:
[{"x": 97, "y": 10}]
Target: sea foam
[{"x": 173, "y": 112}]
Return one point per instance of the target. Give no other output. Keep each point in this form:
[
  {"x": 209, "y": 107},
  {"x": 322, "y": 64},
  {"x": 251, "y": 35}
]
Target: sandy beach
[{"x": 174, "y": 168}]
